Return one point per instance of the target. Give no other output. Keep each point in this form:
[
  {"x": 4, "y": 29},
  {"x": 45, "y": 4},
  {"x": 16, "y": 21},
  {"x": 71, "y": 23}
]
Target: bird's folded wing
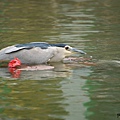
[
  {"x": 15, "y": 49},
  {"x": 18, "y": 47}
]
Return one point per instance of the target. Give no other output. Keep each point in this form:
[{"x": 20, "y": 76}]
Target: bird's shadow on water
[{"x": 60, "y": 70}]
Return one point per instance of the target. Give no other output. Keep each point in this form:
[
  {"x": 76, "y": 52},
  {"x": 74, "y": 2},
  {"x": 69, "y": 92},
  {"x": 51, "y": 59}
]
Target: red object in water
[
  {"x": 14, "y": 72},
  {"x": 14, "y": 63}
]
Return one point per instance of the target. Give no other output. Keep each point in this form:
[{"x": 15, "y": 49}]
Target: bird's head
[
  {"x": 71, "y": 50},
  {"x": 62, "y": 51},
  {"x": 68, "y": 50}
]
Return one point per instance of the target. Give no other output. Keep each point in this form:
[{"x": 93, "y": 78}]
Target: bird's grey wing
[
  {"x": 18, "y": 47},
  {"x": 12, "y": 49}
]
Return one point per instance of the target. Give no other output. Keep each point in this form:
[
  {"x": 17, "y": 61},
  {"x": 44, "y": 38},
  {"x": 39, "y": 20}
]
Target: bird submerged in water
[{"x": 38, "y": 52}]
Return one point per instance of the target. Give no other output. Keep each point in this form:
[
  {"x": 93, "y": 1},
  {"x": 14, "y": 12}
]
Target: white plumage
[{"x": 37, "y": 52}]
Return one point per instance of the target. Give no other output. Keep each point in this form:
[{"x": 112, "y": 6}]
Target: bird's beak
[{"x": 76, "y": 50}]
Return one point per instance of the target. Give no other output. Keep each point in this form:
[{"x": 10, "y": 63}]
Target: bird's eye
[{"x": 67, "y": 47}]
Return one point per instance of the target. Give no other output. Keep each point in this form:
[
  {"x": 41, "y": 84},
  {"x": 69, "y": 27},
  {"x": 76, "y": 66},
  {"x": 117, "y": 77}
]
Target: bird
[{"x": 38, "y": 52}]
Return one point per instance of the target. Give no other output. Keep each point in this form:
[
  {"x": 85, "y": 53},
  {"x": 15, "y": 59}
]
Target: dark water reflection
[{"x": 70, "y": 91}]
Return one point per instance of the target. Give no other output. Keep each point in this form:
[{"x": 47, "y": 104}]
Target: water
[{"x": 70, "y": 91}]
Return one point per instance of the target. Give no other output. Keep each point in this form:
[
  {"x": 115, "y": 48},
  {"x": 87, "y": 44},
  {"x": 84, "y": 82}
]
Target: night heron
[{"x": 37, "y": 52}]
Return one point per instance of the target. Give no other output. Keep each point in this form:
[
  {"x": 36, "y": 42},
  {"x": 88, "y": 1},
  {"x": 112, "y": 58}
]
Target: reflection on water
[
  {"x": 69, "y": 91},
  {"x": 60, "y": 71},
  {"x": 51, "y": 95}
]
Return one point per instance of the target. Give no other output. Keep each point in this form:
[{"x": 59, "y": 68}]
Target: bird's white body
[{"x": 35, "y": 53}]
